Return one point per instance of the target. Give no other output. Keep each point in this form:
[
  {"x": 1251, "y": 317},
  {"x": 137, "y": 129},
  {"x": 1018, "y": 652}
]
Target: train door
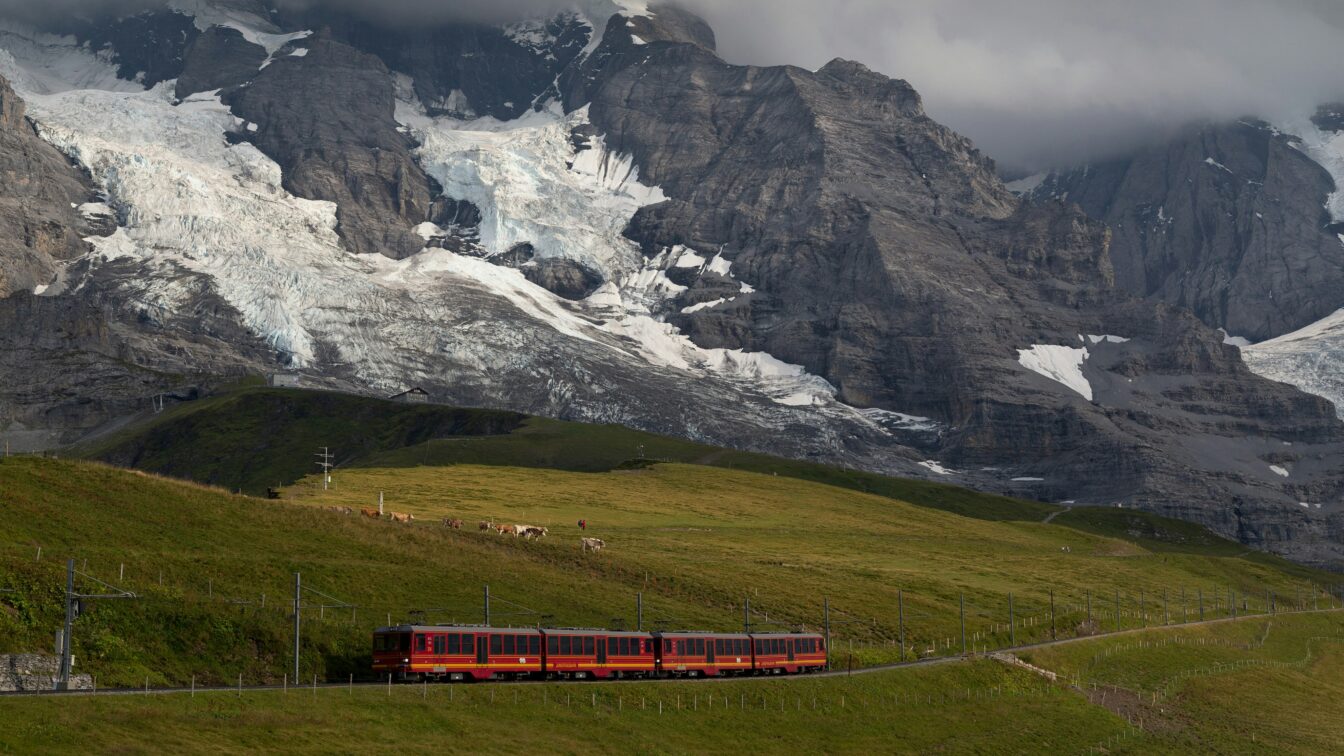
[
  {"x": 601, "y": 650},
  {"x": 709, "y": 650},
  {"x": 482, "y": 650},
  {"x": 788, "y": 645}
]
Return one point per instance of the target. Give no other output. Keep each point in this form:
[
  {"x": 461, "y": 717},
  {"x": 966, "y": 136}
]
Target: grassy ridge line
[
  {"x": 252, "y": 439},
  {"x": 1290, "y": 703}
]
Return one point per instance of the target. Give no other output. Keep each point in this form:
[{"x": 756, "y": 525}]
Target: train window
[
  {"x": 534, "y": 645},
  {"x": 496, "y": 645},
  {"x": 699, "y": 646},
  {"x": 552, "y": 644},
  {"x": 468, "y": 644},
  {"x": 613, "y": 646},
  {"x": 439, "y": 645},
  {"x": 566, "y": 645},
  {"x": 588, "y": 645},
  {"x": 508, "y": 645},
  {"x": 420, "y": 644},
  {"x": 454, "y": 644},
  {"x": 623, "y": 646}
]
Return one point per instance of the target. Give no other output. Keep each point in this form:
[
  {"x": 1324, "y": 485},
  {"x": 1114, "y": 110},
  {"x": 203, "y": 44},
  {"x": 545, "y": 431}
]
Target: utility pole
[
  {"x": 1201, "y": 604},
  {"x": 639, "y": 612},
  {"x": 64, "y": 682},
  {"x": 298, "y": 605},
  {"x": 962, "y": 601},
  {"x": 1143, "y": 617},
  {"x": 1117, "y": 610},
  {"x": 73, "y": 603},
  {"x": 746, "y": 615},
  {"x": 325, "y": 455},
  {"x": 1053, "y": 634},
  {"x": 826, "y": 621},
  {"x": 487, "y": 606},
  {"x": 900, "y": 613},
  {"x": 1012, "y": 623}
]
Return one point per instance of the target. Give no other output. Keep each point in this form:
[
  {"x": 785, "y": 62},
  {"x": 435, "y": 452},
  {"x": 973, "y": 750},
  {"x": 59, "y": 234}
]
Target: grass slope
[{"x": 694, "y": 540}]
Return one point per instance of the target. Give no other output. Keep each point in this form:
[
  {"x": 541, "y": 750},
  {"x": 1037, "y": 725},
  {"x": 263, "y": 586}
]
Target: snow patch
[
  {"x": 1236, "y": 341},
  {"x": 1060, "y": 364},
  {"x": 1028, "y": 184},
  {"x": 1108, "y": 339},
  {"x": 1279, "y": 470},
  {"x": 705, "y": 305},
  {"x": 1028, "y": 480},
  {"x": 1216, "y": 164},
  {"x": 937, "y": 469}
]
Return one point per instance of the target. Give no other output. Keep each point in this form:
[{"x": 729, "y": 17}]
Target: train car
[
  {"x": 702, "y": 654},
  {"x": 411, "y": 653},
  {"x": 580, "y": 654},
  {"x": 787, "y": 653}
]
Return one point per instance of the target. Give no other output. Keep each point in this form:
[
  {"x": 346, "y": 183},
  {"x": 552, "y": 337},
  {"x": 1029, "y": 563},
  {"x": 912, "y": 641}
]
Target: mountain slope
[{"x": 770, "y": 259}]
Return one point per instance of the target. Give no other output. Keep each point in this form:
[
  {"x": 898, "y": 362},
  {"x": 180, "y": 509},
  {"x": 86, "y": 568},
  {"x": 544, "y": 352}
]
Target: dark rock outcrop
[
  {"x": 220, "y": 57},
  {"x": 1228, "y": 221},
  {"x": 40, "y": 192},
  {"x": 149, "y": 47},
  {"x": 462, "y": 69},
  {"x": 563, "y": 277},
  {"x": 327, "y": 119}
]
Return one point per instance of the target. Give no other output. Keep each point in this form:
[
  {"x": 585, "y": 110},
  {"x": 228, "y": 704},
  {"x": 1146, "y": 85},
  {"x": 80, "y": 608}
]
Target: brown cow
[
  {"x": 370, "y": 513},
  {"x": 399, "y": 517},
  {"x": 507, "y": 530},
  {"x": 453, "y": 523}
]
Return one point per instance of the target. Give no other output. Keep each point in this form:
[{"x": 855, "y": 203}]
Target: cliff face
[
  {"x": 39, "y": 193},
  {"x": 1228, "y": 221}
]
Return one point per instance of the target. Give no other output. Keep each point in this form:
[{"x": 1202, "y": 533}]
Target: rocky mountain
[
  {"x": 1229, "y": 221},
  {"x": 595, "y": 217}
]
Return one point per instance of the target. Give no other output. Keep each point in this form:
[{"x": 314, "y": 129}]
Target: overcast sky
[
  {"x": 1040, "y": 81},
  {"x": 1033, "y": 82}
]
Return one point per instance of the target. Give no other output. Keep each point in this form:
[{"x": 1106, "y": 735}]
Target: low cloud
[
  {"x": 1042, "y": 82},
  {"x": 1034, "y": 82}
]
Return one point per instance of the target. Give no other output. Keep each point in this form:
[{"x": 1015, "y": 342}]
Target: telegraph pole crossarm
[{"x": 73, "y": 602}]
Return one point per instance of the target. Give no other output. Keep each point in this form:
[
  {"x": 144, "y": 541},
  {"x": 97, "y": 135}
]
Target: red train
[{"x": 411, "y": 653}]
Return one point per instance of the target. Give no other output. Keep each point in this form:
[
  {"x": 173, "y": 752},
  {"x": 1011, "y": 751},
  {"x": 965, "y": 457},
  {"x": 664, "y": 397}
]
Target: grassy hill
[{"x": 694, "y": 540}]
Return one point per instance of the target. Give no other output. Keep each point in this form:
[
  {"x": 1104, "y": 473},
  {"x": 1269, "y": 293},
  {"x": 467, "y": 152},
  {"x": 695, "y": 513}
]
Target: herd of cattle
[{"x": 530, "y": 532}]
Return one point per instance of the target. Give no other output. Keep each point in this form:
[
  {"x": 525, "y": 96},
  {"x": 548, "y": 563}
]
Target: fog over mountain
[{"x": 1035, "y": 83}]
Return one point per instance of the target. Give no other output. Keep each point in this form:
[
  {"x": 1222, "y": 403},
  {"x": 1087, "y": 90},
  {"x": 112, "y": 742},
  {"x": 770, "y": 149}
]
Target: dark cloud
[
  {"x": 1036, "y": 82},
  {"x": 1033, "y": 82}
]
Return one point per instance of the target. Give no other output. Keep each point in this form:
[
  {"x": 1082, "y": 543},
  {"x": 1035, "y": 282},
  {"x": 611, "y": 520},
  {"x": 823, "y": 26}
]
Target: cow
[
  {"x": 341, "y": 510},
  {"x": 372, "y": 514},
  {"x": 487, "y": 525},
  {"x": 507, "y": 529},
  {"x": 530, "y": 531},
  {"x": 594, "y": 544},
  {"x": 452, "y": 522},
  {"x": 399, "y": 517}
]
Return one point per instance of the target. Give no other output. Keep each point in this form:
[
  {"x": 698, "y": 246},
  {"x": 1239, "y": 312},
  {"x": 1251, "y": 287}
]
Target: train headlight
[{"x": 405, "y": 661}]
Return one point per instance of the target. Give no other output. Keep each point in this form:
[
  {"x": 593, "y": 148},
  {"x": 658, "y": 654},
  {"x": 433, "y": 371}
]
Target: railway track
[{"x": 928, "y": 662}]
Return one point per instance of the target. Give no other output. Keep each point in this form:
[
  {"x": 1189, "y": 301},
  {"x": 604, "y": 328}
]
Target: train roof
[
  {"x": 785, "y": 635},
  {"x": 699, "y": 634},
  {"x": 457, "y": 629},
  {"x": 511, "y": 630}
]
